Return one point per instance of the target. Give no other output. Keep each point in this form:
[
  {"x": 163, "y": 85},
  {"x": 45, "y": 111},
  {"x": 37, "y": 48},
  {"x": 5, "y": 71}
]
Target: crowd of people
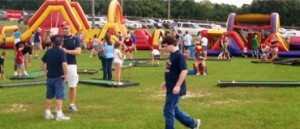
[{"x": 60, "y": 65}]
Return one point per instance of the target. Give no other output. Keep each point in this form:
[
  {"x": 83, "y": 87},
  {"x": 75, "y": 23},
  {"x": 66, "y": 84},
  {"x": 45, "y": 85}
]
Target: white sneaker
[
  {"x": 49, "y": 116},
  {"x": 73, "y": 108},
  {"x": 62, "y": 117},
  {"x": 25, "y": 73},
  {"x": 120, "y": 83},
  {"x": 115, "y": 83},
  {"x": 198, "y": 123}
]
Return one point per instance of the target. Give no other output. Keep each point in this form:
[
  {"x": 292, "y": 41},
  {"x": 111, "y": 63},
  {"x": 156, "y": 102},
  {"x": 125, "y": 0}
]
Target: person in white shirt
[
  {"x": 155, "y": 55},
  {"x": 118, "y": 63},
  {"x": 204, "y": 43}
]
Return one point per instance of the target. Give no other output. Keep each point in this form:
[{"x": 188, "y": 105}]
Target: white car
[
  {"x": 206, "y": 25},
  {"x": 133, "y": 24},
  {"x": 99, "y": 21},
  {"x": 192, "y": 28},
  {"x": 291, "y": 33}
]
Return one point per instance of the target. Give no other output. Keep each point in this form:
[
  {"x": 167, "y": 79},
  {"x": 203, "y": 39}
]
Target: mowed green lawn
[{"x": 141, "y": 107}]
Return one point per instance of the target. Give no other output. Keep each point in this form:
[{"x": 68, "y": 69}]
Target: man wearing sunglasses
[{"x": 72, "y": 48}]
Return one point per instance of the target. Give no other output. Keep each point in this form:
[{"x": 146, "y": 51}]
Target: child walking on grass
[
  {"x": 95, "y": 47},
  {"x": 155, "y": 55},
  {"x": 175, "y": 87},
  {"x": 20, "y": 60},
  {"x": 118, "y": 63},
  {"x": 3, "y": 55}
]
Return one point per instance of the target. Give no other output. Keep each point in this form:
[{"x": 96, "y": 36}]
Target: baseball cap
[{"x": 65, "y": 23}]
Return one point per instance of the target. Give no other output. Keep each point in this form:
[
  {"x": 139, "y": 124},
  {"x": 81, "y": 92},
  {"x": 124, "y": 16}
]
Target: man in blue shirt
[
  {"x": 72, "y": 48},
  {"x": 132, "y": 36},
  {"x": 37, "y": 42},
  {"x": 54, "y": 64},
  {"x": 175, "y": 73},
  {"x": 17, "y": 36}
]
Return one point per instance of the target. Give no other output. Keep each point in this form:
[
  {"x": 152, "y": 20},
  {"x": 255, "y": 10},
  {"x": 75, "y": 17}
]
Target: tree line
[{"x": 180, "y": 9}]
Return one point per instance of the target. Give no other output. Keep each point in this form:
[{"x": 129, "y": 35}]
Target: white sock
[
  {"x": 25, "y": 72},
  {"x": 59, "y": 113},
  {"x": 72, "y": 104},
  {"x": 15, "y": 73},
  {"x": 48, "y": 111}
]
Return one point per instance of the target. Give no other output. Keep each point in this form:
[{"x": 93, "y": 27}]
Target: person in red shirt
[
  {"x": 20, "y": 60},
  {"x": 128, "y": 47}
]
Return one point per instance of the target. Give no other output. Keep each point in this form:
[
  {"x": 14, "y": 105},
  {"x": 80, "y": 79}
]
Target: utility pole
[
  {"x": 93, "y": 13},
  {"x": 169, "y": 6},
  {"x": 122, "y": 6}
]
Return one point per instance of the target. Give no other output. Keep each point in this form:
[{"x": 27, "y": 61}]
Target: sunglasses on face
[{"x": 65, "y": 28}]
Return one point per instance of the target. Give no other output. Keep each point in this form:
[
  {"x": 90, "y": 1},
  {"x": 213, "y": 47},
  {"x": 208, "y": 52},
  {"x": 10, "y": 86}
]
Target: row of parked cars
[{"x": 193, "y": 28}]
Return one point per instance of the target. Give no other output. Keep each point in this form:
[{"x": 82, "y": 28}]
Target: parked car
[
  {"x": 157, "y": 25},
  {"x": 24, "y": 20},
  {"x": 206, "y": 25},
  {"x": 288, "y": 33},
  {"x": 148, "y": 23},
  {"x": 192, "y": 28},
  {"x": 167, "y": 23},
  {"x": 133, "y": 24},
  {"x": 2, "y": 15},
  {"x": 99, "y": 21}
]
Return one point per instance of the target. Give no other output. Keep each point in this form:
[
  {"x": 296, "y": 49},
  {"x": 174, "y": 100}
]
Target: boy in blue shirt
[
  {"x": 175, "y": 73},
  {"x": 54, "y": 64}
]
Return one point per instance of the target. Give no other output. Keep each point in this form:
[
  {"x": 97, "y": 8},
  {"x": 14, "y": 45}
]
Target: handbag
[{"x": 101, "y": 53}]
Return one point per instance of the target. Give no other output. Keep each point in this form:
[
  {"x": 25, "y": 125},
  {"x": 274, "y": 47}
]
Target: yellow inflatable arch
[{"x": 116, "y": 20}]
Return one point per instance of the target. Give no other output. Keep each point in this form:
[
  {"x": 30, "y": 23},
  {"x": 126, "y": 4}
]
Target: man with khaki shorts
[
  {"x": 72, "y": 48},
  {"x": 37, "y": 42}
]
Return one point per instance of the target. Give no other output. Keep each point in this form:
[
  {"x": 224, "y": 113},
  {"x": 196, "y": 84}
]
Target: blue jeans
[
  {"x": 56, "y": 88},
  {"x": 180, "y": 46},
  {"x": 171, "y": 111},
  {"x": 106, "y": 66}
]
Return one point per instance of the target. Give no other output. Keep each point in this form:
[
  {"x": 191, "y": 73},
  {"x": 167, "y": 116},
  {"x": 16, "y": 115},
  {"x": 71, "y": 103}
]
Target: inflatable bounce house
[
  {"x": 116, "y": 21},
  {"x": 53, "y": 12},
  {"x": 144, "y": 40},
  {"x": 241, "y": 29},
  {"x": 50, "y": 16}
]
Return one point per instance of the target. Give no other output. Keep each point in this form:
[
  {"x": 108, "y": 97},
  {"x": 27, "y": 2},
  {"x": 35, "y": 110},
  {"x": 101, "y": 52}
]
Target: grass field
[{"x": 141, "y": 107}]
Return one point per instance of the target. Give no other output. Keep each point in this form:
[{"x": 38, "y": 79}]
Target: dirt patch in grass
[
  {"x": 220, "y": 102},
  {"x": 93, "y": 107},
  {"x": 16, "y": 108},
  {"x": 189, "y": 94}
]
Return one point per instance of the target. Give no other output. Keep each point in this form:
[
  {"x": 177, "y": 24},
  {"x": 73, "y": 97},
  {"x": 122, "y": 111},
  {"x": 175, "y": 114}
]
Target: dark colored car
[{"x": 24, "y": 20}]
